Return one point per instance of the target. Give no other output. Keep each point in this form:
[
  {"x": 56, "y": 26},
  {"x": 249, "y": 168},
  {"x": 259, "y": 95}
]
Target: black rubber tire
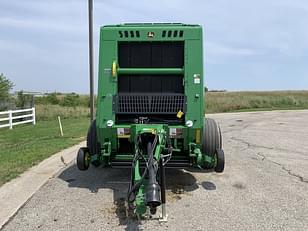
[
  {"x": 92, "y": 144},
  {"x": 212, "y": 139},
  {"x": 83, "y": 159},
  {"x": 220, "y": 155}
]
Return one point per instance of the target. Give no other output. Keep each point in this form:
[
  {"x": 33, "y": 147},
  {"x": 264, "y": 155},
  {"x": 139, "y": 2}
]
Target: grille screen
[{"x": 149, "y": 103}]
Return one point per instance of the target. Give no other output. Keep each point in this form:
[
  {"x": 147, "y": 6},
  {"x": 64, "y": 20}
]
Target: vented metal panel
[
  {"x": 149, "y": 103},
  {"x": 150, "y": 84},
  {"x": 129, "y": 34},
  {"x": 151, "y": 54}
]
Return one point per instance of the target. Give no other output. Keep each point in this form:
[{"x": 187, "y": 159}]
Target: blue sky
[{"x": 249, "y": 45}]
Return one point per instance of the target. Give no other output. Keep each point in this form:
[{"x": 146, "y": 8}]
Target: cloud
[
  {"x": 220, "y": 50},
  {"x": 248, "y": 41},
  {"x": 41, "y": 25}
]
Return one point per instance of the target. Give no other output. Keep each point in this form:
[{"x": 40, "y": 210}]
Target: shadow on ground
[{"x": 178, "y": 182}]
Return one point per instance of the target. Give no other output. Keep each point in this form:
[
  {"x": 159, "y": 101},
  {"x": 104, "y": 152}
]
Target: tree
[
  {"x": 52, "y": 98},
  {"x": 5, "y": 86},
  {"x": 24, "y": 100},
  {"x": 70, "y": 100}
]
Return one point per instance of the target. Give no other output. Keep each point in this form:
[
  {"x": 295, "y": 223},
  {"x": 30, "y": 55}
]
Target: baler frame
[{"x": 150, "y": 110}]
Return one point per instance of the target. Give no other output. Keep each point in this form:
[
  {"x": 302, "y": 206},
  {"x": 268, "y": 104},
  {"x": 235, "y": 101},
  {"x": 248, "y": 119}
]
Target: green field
[
  {"x": 27, "y": 145},
  {"x": 216, "y": 102},
  {"x": 50, "y": 112}
]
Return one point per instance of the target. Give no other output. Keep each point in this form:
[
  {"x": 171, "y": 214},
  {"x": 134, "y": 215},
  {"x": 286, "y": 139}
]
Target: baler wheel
[
  {"x": 211, "y": 137},
  {"x": 92, "y": 144},
  {"x": 220, "y": 160},
  {"x": 83, "y": 159}
]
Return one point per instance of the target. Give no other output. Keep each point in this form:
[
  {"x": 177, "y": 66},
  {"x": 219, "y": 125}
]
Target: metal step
[
  {"x": 177, "y": 163},
  {"x": 182, "y": 163}
]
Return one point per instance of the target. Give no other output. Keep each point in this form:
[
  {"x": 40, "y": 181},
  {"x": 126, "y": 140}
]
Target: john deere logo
[{"x": 150, "y": 34}]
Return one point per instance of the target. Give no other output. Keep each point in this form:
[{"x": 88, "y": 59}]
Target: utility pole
[{"x": 90, "y": 13}]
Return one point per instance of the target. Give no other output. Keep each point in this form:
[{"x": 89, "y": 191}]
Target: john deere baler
[{"x": 150, "y": 109}]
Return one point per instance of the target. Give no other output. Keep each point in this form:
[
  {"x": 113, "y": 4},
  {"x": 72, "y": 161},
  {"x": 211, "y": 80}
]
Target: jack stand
[
  {"x": 164, "y": 215},
  {"x": 138, "y": 217}
]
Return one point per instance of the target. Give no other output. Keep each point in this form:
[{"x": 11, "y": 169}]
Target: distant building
[{"x": 34, "y": 93}]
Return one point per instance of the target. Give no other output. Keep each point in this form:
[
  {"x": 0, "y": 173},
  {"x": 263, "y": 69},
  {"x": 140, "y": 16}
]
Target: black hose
[{"x": 135, "y": 187}]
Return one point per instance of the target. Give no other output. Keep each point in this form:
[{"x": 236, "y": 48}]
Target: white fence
[{"x": 23, "y": 113}]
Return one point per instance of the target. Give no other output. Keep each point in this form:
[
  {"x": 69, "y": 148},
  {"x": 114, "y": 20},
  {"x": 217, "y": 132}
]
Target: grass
[
  {"x": 255, "y": 101},
  {"x": 50, "y": 112},
  {"x": 27, "y": 145}
]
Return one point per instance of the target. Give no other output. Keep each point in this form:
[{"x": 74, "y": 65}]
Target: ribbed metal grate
[{"x": 149, "y": 103}]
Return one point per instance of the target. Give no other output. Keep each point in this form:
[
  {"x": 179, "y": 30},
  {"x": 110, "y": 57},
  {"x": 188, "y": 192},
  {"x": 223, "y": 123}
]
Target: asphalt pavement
[{"x": 264, "y": 186}]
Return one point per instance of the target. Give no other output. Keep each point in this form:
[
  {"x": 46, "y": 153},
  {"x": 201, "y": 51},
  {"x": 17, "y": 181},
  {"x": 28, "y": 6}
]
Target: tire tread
[{"x": 212, "y": 137}]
